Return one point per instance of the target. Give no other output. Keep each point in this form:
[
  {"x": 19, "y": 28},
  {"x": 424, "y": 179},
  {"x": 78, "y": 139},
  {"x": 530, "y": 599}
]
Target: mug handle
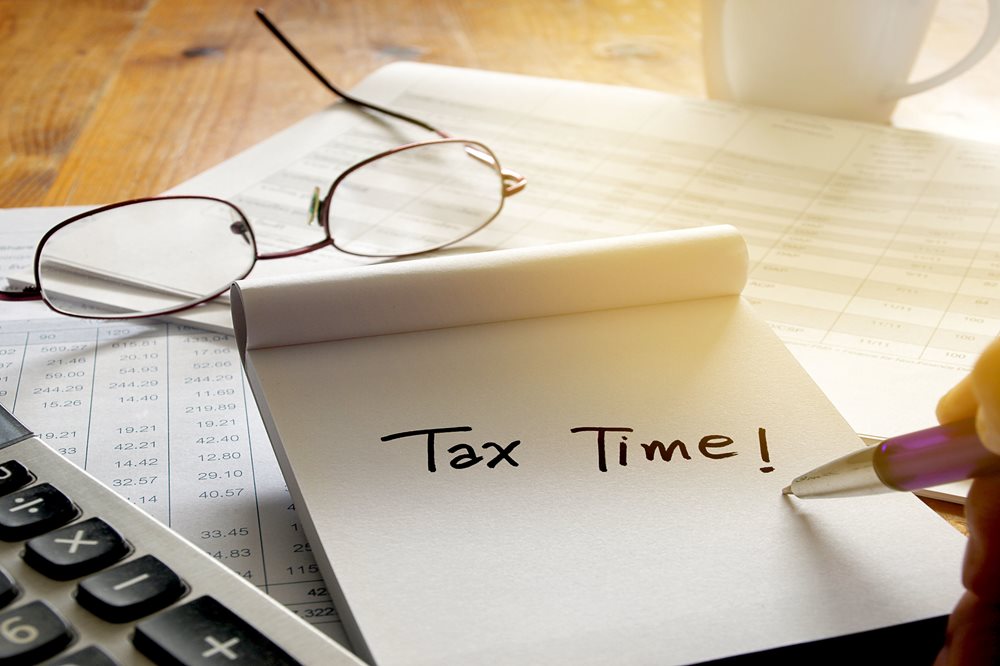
[{"x": 991, "y": 33}]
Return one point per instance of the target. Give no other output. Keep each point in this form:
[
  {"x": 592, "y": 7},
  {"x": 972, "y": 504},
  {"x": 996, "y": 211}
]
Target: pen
[{"x": 946, "y": 453}]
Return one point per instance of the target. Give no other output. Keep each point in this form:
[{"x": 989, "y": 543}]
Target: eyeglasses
[{"x": 161, "y": 255}]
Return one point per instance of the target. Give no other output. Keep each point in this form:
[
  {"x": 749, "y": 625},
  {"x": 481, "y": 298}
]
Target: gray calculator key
[
  {"x": 203, "y": 632},
  {"x": 32, "y": 633},
  {"x": 33, "y": 511},
  {"x": 8, "y": 588},
  {"x": 131, "y": 590},
  {"x": 13, "y": 475},
  {"x": 76, "y": 550}
]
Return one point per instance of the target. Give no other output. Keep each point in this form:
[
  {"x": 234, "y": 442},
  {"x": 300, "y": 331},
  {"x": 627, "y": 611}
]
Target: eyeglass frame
[{"x": 511, "y": 183}]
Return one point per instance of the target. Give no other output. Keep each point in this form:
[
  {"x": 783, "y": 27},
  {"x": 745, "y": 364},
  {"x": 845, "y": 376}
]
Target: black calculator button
[
  {"x": 32, "y": 633},
  {"x": 76, "y": 550},
  {"x": 203, "y": 632},
  {"x": 89, "y": 656},
  {"x": 130, "y": 590},
  {"x": 13, "y": 475},
  {"x": 33, "y": 511},
  {"x": 8, "y": 588}
]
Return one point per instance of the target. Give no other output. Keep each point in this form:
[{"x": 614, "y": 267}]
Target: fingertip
[{"x": 958, "y": 403}]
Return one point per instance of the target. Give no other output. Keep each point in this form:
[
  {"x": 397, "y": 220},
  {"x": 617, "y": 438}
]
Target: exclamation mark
[{"x": 762, "y": 438}]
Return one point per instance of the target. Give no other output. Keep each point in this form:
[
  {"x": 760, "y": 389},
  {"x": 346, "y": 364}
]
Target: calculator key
[
  {"x": 31, "y": 633},
  {"x": 76, "y": 550},
  {"x": 33, "y": 511},
  {"x": 203, "y": 632},
  {"x": 8, "y": 588},
  {"x": 90, "y": 656},
  {"x": 131, "y": 590},
  {"x": 13, "y": 475}
]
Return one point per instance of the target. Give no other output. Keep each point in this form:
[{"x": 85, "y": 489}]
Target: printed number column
[
  {"x": 12, "y": 348},
  {"x": 56, "y": 378},
  {"x": 962, "y": 217},
  {"x": 128, "y": 433},
  {"x": 212, "y": 496}
]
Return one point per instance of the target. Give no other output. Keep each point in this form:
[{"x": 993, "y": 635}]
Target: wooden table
[{"x": 105, "y": 100}]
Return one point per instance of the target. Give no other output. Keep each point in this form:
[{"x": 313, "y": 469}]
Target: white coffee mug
[{"x": 844, "y": 58}]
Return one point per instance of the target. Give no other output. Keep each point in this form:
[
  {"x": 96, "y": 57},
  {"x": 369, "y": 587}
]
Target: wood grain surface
[{"x": 104, "y": 100}]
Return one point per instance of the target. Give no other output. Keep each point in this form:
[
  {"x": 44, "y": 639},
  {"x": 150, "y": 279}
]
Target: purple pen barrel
[{"x": 926, "y": 458}]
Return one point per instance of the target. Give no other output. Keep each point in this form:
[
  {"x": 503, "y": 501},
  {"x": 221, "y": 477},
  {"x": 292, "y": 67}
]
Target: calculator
[{"x": 88, "y": 579}]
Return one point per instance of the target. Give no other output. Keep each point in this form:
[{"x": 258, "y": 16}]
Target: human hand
[{"x": 974, "y": 626}]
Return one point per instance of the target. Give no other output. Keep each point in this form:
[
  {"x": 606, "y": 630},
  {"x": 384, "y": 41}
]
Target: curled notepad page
[{"x": 505, "y": 285}]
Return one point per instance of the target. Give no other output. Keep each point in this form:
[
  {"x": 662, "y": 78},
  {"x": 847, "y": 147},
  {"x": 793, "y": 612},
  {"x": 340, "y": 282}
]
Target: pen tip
[{"x": 787, "y": 490}]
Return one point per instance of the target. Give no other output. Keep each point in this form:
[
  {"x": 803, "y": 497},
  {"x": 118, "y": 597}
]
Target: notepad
[{"x": 571, "y": 454}]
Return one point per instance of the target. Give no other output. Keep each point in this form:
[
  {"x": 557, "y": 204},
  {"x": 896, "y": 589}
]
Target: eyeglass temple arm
[{"x": 334, "y": 89}]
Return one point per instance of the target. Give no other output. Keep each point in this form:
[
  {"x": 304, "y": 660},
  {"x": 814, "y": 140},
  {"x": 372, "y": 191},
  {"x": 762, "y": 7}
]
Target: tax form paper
[{"x": 572, "y": 454}]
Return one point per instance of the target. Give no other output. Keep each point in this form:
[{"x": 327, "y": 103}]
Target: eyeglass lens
[
  {"x": 415, "y": 200},
  {"x": 146, "y": 257},
  {"x": 157, "y": 256}
]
